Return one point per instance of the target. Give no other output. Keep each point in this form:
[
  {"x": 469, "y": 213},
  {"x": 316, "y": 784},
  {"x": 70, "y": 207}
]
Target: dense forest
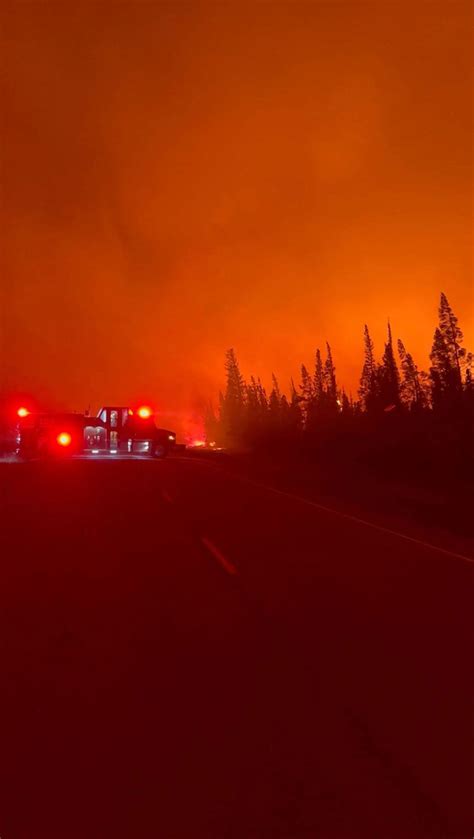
[{"x": 403, "y": 417}]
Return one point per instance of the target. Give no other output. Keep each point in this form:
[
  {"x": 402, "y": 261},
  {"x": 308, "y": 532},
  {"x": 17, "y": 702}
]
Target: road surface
[{"x": 186, "y": 654}]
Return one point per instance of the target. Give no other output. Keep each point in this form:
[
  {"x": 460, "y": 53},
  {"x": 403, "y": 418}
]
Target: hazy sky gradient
[{"x": 180, "y": 178}]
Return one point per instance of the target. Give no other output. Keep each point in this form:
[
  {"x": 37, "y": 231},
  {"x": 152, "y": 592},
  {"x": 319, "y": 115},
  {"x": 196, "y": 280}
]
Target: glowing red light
[
  {"x": 64, "y": 439},
  {"x": 144, "y": 412},
  {"x": 23, "y": 412},
  {"x": 130, "y": 412}
]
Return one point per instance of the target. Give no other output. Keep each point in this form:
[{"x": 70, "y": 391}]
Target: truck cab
[{"x": 134, "y": 432}]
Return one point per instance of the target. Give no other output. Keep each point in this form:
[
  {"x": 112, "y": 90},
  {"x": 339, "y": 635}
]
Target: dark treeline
[{"x": 403, "y": 417}]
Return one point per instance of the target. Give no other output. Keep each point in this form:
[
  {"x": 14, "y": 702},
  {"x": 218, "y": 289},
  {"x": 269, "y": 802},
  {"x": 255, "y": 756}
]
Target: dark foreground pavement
[{"x": 186, "y": 654}]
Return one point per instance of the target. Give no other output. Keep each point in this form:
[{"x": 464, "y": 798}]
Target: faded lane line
[
  {"x": 336, "y": 512},
  {"x": 356, "y": 519},
  {"x": 217, "y": 554}
]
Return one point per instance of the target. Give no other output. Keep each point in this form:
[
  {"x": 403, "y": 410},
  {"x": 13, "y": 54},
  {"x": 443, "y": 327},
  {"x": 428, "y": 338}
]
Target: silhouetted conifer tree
[
  {"x": 345, "y": 404},
  {"x": 285, "y": 414},
  {"x": 253, "y": 406},
  {"x": 262, "y": 396},
  {"x": 389, "y": 377},
  {"x": 330, "y": 384},
  {"x": 276, "y": 387},
  {"x": 447, "y": 358},
  {"x": 234, "y": 400},
  {"x": 296, "y": 415},
  {"x": 256, "y": 409},
  {"x": 453, "y": 338},
  {"x": 469, "y": 386},
  {"x": 444, "y": 374},
  {"x": 307, "y": 395},
  {"x": 440, "y": 370},
  {"x": 274, "y": 403},
  {"x": 411, "y": 390},
  {"x": 369, "y": 381},
  {"x": 318, "y": 379},
  {"x": 315, "y": 408},
  {"x": 306, "y": 385}
]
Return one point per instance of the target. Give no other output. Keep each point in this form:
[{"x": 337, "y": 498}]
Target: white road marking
[
  {"x": 364, "y": 522},
  {"x": 347, "y": 516},
  {"x": 217, "y": 554}
]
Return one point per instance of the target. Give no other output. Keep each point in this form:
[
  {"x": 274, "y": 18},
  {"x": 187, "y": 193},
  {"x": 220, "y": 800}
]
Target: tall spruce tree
[
  {"x": 389, "y": 377},
  {"x": 256, "y": 408},
  {"x": 330, "y": 384},
  {"x": 345, "y": 404},
  {"x": 274, "y": 403},
  {"x": 285, "y": 414},
  {"x": 296, "y": 414},
  {"x": 233, "y": 407},
  {"x": 453, "y": 338},
  {"x": 306, "y": 386},
  {"x": 369, "y": 381},
  {"x": 276, "y": 387},
  {"x": 411, "y": 390},
  {"x": 318, "y": 378},
  {"x": 235, "y": 385},
  {"x": 446, "y": 385},
  {"x": 307, "y": 396},
  {"x": 252, "y": 404},
  {"x": 316, "y": 411},
  {"x": 262, "y": 397},
  {"x": 469, "y": 384}
]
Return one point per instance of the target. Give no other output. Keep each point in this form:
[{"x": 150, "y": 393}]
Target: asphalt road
[{"x": 187, "y": 654}]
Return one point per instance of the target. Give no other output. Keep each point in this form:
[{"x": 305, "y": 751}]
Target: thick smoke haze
[{"x": 180, "y": 178}]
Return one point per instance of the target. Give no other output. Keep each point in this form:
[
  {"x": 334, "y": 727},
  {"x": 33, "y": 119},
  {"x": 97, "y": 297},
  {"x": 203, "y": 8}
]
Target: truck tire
[{"x": 159, "y": 450}]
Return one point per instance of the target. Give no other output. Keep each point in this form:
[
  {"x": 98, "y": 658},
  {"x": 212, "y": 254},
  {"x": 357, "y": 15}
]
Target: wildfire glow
[{"x": 213, "y": 233}]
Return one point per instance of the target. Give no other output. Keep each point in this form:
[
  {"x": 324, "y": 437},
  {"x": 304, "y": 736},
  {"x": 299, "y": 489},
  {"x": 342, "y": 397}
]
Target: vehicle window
[{"x": 95, "y": 436}]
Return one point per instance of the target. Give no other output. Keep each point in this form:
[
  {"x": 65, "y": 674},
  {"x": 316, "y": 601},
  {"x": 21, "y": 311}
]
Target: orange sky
[{"x": 180, "y": 178}]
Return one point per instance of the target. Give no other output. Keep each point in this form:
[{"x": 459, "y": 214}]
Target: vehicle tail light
[{"x": 64, "y": 439}]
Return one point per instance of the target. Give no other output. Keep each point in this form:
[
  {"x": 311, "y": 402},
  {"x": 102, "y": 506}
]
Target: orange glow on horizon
[{"x": 317, "y": 179}]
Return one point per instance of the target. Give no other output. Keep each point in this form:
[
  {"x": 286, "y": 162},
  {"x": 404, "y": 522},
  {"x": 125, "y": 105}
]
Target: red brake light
[
  {"x": 64, "y": 439},
  {"x": 23, "y": 412},
  {"x": 144, "y": 412}
]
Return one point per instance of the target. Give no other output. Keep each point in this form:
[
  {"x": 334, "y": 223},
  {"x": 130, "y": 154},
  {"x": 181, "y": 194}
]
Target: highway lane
[{"x": 188, "y": 654}]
